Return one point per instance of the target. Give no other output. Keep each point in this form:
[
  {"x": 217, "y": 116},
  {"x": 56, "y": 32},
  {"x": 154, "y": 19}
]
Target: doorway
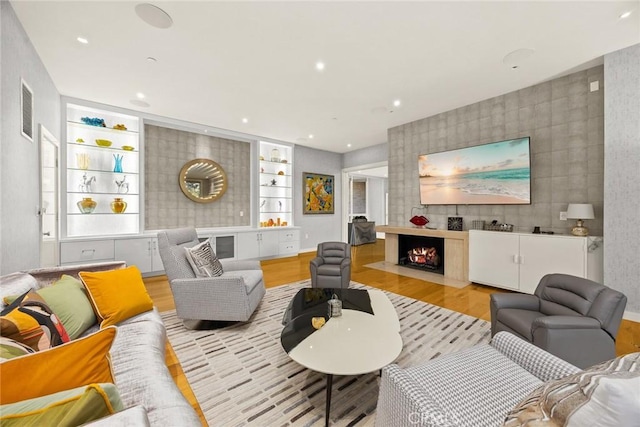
[
  {"x": 49, "y": 190},
  {"x": 365, "y": 193}
]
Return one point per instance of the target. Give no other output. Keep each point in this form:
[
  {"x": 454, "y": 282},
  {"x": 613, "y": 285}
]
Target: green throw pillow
[
  {"x": 66, "y": 408},
  {"x": 11, "y": 348},
  {"x": 68, "y": 300}
]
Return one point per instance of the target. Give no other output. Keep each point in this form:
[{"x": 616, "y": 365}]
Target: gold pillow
[
  {"x": 70, "y": 365},
  {"x": 116, "y": 295}
]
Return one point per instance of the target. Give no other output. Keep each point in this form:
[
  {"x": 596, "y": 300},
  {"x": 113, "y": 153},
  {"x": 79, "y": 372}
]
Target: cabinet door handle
[{"x": 515, "y": 259}]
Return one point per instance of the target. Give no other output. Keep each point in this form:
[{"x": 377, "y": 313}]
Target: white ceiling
[{"x": 222, "y": 61}]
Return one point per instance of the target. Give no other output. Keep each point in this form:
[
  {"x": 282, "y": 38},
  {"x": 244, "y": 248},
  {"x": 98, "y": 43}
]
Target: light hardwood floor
[{"x": 472, "y": 300}]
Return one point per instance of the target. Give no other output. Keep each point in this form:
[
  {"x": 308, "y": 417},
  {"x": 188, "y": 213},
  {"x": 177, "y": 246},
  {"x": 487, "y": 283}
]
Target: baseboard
[
  {"x": 308, "y": 250},
  {"x": 630, "y": 315}
]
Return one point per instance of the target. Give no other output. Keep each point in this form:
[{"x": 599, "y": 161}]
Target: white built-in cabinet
[
  {"x": 141, "y": 252},
  {"x": 258, "y": 244},
  {"x": 518, "y": 261},
  {"x": 101, "y": 171}
]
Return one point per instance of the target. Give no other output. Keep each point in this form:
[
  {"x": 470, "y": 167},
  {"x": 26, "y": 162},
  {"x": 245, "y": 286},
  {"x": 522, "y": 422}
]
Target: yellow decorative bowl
[
  {"x": 127, "y": 148},
  {"x": 103, "y": 142}
]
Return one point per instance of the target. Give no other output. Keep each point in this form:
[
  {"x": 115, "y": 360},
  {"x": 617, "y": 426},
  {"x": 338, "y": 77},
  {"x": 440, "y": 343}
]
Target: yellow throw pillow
[
  {"x": 70, "y": 365},
  {"x": 117, "y": 295}
]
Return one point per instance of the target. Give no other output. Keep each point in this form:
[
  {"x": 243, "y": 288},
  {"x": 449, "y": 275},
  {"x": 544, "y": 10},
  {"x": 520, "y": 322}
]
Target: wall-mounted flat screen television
[{"x": 498, "y": 173}]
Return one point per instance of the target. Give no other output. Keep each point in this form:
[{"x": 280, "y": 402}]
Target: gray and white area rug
[{"x": 241, "y": 375}]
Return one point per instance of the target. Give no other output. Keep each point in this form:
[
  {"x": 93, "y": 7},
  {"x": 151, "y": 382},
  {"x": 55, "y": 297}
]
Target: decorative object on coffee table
[{"x": 454, "y": 223}]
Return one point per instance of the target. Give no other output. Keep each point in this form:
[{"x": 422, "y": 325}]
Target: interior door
[{"x": 49, "y": 153}]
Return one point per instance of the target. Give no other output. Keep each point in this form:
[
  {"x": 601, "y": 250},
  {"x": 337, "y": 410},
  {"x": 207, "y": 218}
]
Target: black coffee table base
[{"x": 328, "y": 404}]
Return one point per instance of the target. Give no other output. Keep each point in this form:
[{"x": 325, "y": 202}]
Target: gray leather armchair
[
  {"x": 572, "y": 318},
  {"x": 233, "y": 296},
  {"x": 331, "y": 268}
]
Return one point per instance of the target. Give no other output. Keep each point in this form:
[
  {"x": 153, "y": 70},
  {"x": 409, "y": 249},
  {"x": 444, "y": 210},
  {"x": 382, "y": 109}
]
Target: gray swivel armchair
[
  {"x": 331, "y": 268},
  {"x": 233, "y": 296},
  {"x": 572, "y": 318}
]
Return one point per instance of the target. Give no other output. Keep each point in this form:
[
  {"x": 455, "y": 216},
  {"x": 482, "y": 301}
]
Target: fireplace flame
[{"x": 423, "y": 255}]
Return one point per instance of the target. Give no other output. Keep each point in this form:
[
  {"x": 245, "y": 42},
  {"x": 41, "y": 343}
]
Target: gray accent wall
[
  {"x": 566, "y": 124},
  {"x": 166, "y": 151},
  {"x": 316, "y": 228},
  {"x": 622, "y": 174},
  {"x": 19, "y": 159}
]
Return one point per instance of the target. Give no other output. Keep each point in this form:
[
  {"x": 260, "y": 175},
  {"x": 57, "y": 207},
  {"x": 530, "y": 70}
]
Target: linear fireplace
[{"x": 421, "y": 252}]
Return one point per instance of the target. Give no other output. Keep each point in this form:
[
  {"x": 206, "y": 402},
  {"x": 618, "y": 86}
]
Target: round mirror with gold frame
[{"x": 203, "y": 180}]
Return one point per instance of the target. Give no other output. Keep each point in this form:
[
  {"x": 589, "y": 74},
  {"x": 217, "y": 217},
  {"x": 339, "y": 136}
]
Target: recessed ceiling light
[
  {"x": 319, "y": 65},
  {"x": 348, "y": 145},
  {"x": 310, "y": 136},
  {"x": 396, "y": 103},
  {"x": 151, "y": 59},
  {"x": 139, "y": 103},
  {"x": 153, "y": 15},
  {"x": 140, "y": 95},
  {"x": 83, "y": 40},
  {"x": 517, "y": 57},
  {"x": 625, "y": 15},
  {"x": 245, "y": 120}
]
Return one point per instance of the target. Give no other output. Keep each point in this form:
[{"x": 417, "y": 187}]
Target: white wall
[
  {"x": 366, "y": 156},
  {"x": 375, "y": 200},
  {"x": 19, "y": 164},
  {"x": 622, "y": 174},
  {"x": 317, "y": 228}
]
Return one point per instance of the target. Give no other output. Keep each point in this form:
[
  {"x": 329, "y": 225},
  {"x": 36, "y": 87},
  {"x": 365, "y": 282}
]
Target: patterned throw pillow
[
  {"x": 603, "y": 395},
  {"x": 204, "y": 261},
  {"x": 68, "y": 299},
  {"x": 29, "y": 320}
]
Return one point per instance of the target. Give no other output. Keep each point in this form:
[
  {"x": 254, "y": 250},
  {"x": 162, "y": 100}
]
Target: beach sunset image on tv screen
[{"x": 489, "y": 174}]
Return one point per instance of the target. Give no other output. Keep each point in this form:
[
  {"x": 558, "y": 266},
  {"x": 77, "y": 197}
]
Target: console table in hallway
[{"x": 456, "y": 248}]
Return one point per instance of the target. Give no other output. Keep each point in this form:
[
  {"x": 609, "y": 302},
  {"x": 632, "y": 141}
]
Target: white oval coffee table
[{"x": 355, "y": 343}]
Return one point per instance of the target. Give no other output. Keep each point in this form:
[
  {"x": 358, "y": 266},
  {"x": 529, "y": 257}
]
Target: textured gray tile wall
[
  {"x": 622, "y": 168},
  {"x": 566, "y": 125},
  {"x": 166, "y": 151}
]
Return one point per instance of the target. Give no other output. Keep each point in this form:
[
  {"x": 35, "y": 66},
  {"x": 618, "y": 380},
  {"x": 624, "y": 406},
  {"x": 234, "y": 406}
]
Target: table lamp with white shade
[{"x": 580, "y": 211}]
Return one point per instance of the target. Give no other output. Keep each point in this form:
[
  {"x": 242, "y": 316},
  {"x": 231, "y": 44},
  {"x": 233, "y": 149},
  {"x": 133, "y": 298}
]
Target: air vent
[{"x": 26, "y": 103}]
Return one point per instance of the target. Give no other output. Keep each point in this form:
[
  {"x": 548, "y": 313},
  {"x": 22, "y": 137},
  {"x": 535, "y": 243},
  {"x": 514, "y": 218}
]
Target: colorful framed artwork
[{"x": 318, "y": 193}]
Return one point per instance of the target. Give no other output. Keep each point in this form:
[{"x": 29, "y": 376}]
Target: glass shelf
[
  {"x": 102, "y": 213},
  {"x": 100, "y": 193},
  {"x": 100, "y": 128},
  {"x": 273, "y": 174},
  {"x": 275, "y": 186},
  {"x": 102, "y": 171},
  {"x": 95, "y": 146},
  {"x": 275, "y": 163}
]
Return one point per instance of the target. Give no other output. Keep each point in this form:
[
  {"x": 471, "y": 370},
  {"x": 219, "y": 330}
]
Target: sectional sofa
[{"x": 147, "y": 391}]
